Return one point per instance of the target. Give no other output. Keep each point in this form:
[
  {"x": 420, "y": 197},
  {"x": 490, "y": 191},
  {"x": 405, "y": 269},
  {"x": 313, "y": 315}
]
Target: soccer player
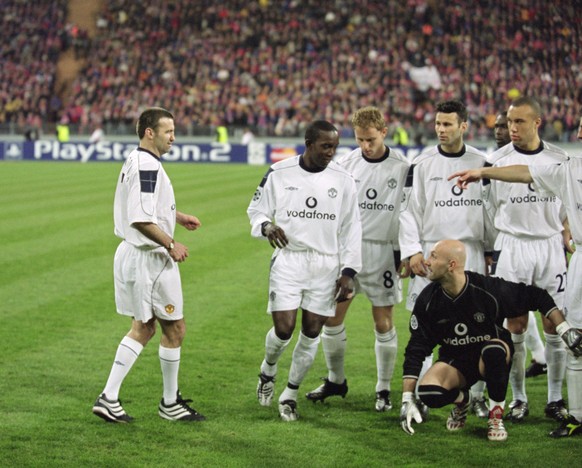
[
  {"x": 462, "y": 312},
  {"x": 146, "y": 274},
  {"x": 530, "y": 248},
  {"x": 437, "y": 209},
  {"x": 533, "y": 339},
  {"x": 380, "y": 173},
  {"x": 306, "y": 207},
  {"x": 562, "y": 180},
  {"x": 501, "y": 130}
]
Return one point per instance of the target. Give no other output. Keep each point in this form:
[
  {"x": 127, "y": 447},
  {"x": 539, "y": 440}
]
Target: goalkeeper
[{"x": 463, "y": 312}]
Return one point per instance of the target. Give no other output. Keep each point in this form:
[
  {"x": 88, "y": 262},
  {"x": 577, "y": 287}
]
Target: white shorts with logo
[
  {"x": 475, "y": 262},
  {"x": 305, "y": 279},
  {"x": 379, "y": 279},
  {"x": 147, "y": 284},
  {"x": 573, "y": 298},
  {"x": 539, "y": 262}
]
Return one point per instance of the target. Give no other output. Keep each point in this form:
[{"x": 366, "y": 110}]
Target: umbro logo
[
  {"x": 435, "y": 179},
  {"x": 291, "y": 188}
]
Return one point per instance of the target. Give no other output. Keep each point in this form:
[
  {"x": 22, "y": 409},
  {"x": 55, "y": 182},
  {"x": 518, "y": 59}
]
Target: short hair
[
  {"x": 314, "y": 129},
  {"x": 528, "y": 101},
  {"x": 369, "y": 117},
  {"x": 150, "y": 118},
  {"x": 448, "y": 107}
]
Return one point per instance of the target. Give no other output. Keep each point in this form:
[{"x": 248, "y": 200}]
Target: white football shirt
[
  {"x": 380, "y": 185},
  {"x": 317, "y": 210},
  {"x": 144, "y": 193},
  {"x": 518, "y": 209},
  {"x": 565, "y": 181},
  {"x": 436, "y": 208}
]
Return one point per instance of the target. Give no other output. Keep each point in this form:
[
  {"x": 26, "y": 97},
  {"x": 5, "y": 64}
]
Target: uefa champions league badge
[{"x": 413, "y": 322}]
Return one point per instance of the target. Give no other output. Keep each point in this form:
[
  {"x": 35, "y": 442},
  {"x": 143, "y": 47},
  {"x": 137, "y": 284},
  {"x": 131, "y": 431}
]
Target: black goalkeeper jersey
[{"x": 461, "y": 324}]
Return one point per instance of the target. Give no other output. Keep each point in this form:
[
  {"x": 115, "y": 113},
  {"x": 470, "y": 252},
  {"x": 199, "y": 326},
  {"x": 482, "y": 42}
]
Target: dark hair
[
  {"x": 528, "y": 101},
  {"x": 315, "y": 128},
  {"x": 448, "y": 107},
  {"x": 150, "y": 118}
]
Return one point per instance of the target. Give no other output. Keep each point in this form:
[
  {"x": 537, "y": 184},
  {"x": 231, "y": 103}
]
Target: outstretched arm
[{"x": 517, "y": 173}]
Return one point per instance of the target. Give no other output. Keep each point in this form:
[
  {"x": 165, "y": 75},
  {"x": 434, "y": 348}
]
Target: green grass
[{"x": 59, "y": 332}]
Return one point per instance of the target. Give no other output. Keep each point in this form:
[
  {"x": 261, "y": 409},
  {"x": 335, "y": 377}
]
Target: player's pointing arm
[{"x": 517, "y": 173}]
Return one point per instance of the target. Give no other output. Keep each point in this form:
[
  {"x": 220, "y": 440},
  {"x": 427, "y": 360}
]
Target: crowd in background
[{"x": 275, "y": 65}]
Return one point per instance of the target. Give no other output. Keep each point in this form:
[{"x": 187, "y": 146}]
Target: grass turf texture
[{"x": 60, "y": 331}]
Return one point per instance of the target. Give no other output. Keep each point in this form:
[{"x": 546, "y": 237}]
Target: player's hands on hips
[
  {"x": 417, "y": 264},
  {"x": 275, "y": 235},
  {"x": 572, "y": 337},
  {"x": 344, "y": 288},
  {"x": 179, "y": 253},
  {"x": 409, "y": 412}
]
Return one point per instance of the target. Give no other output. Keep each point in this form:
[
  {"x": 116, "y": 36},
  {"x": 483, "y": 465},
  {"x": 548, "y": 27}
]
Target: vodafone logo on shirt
[{"x": 311, "y": 212}]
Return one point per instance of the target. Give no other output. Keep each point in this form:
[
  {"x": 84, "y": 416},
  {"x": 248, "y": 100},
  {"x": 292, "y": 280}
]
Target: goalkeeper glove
[
  {"x": 408, "y": 412},
  {"x": 571, "y": 336}
]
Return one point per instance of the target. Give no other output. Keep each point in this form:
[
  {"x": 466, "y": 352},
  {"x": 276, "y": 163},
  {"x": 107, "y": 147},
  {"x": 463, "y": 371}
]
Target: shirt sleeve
[
  {"x": 262, "y": 205},
  {"x": 350, "y": 235},
  {"x": 421, "y": 342},
  {"x": 410, "y": 216}
]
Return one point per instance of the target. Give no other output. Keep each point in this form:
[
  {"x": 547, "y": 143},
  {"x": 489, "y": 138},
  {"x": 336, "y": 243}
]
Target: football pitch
[{"x": 59, "y": 332}]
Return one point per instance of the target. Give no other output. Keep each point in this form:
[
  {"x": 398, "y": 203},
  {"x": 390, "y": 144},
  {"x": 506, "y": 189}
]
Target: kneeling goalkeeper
[{"x": 463, "y": 312}]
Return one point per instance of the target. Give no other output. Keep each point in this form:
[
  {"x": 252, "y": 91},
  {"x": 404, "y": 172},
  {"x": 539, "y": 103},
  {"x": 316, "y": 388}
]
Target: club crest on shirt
[
  {"x": 392, "y": 183},
  {"x": 413, "y": 322},
  {"x": 170, "y": 309},
  {"x": 332, "y": 192},
  {"x": 479, "y": 317}
]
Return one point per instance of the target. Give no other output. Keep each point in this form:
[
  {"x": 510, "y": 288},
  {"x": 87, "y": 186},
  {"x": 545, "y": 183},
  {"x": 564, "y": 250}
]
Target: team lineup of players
[
  {"x": 480, "y": 256},
  {"x": 481, "y": 238}
]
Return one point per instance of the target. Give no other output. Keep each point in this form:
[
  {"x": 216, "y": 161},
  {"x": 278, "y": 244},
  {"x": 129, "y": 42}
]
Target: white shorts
[
  {"x": 303, "y": 279},
  {"x": 379, "y": 279},
  {"x": 538, "y": 262},
  {"x": 475, "y": 262},
  {"x": 573, "y": 297},
  {"x": 147, "y": 284}
]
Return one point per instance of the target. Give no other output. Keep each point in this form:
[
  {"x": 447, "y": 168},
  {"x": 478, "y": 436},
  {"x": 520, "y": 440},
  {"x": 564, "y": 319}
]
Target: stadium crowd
[{"x": 274, "y": 65}]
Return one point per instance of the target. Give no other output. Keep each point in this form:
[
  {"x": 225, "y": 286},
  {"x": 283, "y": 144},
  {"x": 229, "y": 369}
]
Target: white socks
[
  {"x": 534, "y": 341},
  {"x": 303, "y": 357},
  {"x": 574, "y": 378},
  {"x": 386, "y": 348},
  {"x": 556, "y": 360},
  {"x": 170, "y": 363},
  {"x": 334, "y": 343},
  {"x": 478, "y": 389},
  {"x": 127, "y": 353},
  {"x": 274, "y": 347},
  {"x": 517, "y": 373}
]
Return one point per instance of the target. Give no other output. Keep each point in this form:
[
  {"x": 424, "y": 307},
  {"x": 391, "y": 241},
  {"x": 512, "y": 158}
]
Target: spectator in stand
[{"x": 312, "y": 62}]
